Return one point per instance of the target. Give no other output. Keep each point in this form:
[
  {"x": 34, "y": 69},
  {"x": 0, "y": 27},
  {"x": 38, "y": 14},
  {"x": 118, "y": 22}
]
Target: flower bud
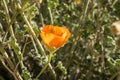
[
  {"x": 118, "y": 42},
  {"x": 115, "y": 28}
]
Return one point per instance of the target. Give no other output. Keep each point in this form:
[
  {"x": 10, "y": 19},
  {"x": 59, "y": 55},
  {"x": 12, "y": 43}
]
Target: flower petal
[
  {"x": 54, "y": 36},
  {"x": 47, "y": 29},
  {"x": 47, "y": 38},
  {"x": 57, "y": 42}
]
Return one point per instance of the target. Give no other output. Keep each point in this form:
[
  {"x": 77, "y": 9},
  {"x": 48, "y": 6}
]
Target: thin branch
[
  {"x": 33, "y": 33},
  {"x": 9, "y": 70},
  {"x": 115, "y": 75}
]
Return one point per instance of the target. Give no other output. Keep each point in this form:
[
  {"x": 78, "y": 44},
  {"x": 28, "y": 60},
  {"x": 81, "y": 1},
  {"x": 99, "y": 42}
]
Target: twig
[
  {"x": 115, "y": 75},
  {"x": 51, "y": 17},
  {"x": 34, "y": 44},
  {"x": 9, "y": 70},
  {"x": 37, "y": 41},
  {"x": 35, "y": 37},
  {"x": 77, "y": 38},
  {"x": 12, "y": 66},
  {"x": 6, "y": 57},
  {"x": 33, "y": 33},
  {"x": 20, "y": 61},
  {"x": 41, "y": 17}
]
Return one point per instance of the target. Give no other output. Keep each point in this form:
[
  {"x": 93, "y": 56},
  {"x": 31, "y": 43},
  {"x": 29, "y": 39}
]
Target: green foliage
[
  {"x": 117, "y": 63},
  {"x": 62, "y": 68},
  {"x": 26, "y": 74}
]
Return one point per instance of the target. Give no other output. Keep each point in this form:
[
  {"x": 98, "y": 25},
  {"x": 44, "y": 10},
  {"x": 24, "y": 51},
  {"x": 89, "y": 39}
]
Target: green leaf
[
  {"x": 52, "y": 4},
  {"x": 61, "y": 67},
  {"x": 14, "y": 45},
  {"x": 31, "y": 12},
  {"x": 26, "y": 74},
  {"x": 117, "y": 63}
]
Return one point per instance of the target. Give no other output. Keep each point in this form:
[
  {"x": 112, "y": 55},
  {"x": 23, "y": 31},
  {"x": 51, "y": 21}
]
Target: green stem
[
  {"x": 49, "y": 60},
  {"x": 42, "y": 21},
  {"x": 8, "y": 17},
  {"x": 51, "y": 18},
  {"x": 6, "y": 11}
]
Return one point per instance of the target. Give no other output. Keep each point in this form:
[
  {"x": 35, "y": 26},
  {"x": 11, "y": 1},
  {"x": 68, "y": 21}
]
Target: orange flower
[
  {"x": 118, "y": 42},
  {"x": 115, "y": 28},
  {"x": 78, "y": 1},
  {"x": 54, "y": 36}
]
